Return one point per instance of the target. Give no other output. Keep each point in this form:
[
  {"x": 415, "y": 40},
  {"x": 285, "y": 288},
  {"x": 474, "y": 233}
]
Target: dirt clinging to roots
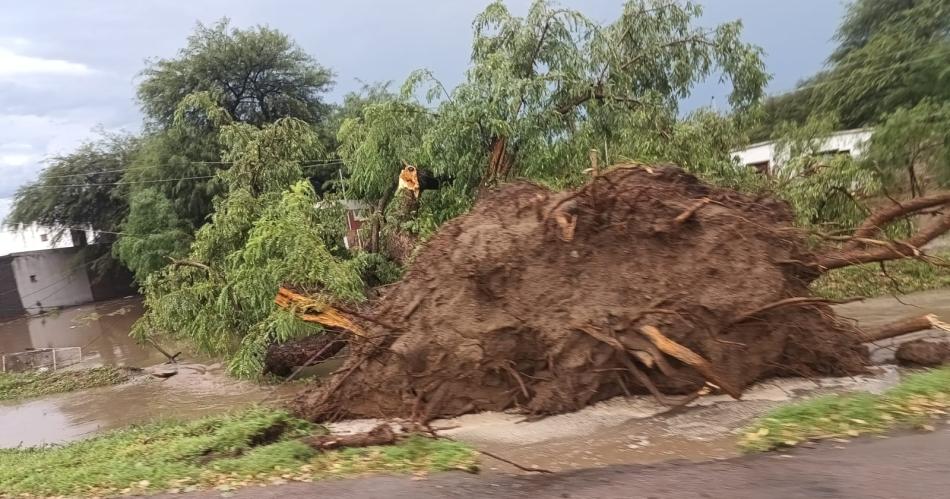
[{"x": 538, "y": 300}]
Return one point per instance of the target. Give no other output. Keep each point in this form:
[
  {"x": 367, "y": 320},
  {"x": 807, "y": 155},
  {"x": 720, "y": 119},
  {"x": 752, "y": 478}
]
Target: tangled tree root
[{"x": 643, "y": 281}]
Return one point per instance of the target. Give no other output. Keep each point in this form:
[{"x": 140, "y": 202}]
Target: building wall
[
  {"x": 50, "y": 279},
  {"x": 851, "y": 141},
  {"x": 10, "y": 305},
  {"x": 32, "y": 238}
]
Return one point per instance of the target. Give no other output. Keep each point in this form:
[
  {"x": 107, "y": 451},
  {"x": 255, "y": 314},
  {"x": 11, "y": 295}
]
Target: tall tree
[
  {"x": 80, "y": 189},
  {"x": 264, "y": 232},
  {"x": 257, "y": 75},
  {"x": 891, "y": 54},
  {"x": 254, "y": 76}
]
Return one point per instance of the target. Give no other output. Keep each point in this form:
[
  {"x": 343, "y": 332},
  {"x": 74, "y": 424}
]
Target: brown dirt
[
  {"x": 923, "y": 353},
  {"x": 535, "y": 300}
]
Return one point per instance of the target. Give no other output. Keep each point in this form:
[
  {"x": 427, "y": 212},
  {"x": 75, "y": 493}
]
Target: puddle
[
  {"x": 196, "y": 391},
  {"x": 101, "y": 330}
]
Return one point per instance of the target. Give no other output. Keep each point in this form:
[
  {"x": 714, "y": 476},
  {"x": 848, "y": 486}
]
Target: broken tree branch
[
  {"x": 874, "y": 223},
  {"x": 689, "y": 358},
  {"x": 380, "y": 435},
  {"x": 905, "y": 326},
  {"x": 310, "y": 310},
  {"x": 909, "y": 247},
  {"x": 689, "y": 212}
]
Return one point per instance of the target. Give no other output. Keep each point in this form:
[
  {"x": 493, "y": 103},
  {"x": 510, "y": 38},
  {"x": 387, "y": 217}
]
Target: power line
[
  {"x": 93, "y": 184},
  {"x": 149, "y": 167}
]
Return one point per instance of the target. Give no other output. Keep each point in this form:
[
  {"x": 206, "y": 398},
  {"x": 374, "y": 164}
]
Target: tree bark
[
  {"x": 909, "y": 247},
  {"x": 904, "y": 326},
  {"x": 856, "y": 251},
  {"x": 874, "y": 223},
  {"x": 499, "y": 162}
]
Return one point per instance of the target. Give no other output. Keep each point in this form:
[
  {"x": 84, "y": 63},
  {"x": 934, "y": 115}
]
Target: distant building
[
  {"x": 764, "y": 157},
  {"x": 39, "y": 272},
  {"x": 356, "y": 216},
  {"x": 20, "y": 238}
]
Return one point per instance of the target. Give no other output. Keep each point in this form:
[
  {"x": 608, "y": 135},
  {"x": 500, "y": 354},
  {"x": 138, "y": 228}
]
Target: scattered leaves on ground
[{"x": 917, "y": 401}]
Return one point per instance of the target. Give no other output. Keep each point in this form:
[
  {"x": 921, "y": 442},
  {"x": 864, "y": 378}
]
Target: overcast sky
[{"x": 67, "y": 67}]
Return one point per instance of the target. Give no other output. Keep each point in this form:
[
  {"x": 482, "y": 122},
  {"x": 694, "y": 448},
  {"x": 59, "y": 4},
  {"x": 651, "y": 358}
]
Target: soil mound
[{"x": 643, "y": 281}]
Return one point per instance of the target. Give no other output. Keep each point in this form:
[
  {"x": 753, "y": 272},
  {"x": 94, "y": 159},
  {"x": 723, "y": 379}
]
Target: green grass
[
  {"x": 916, "y": 401},
  {"x": 255, "y": 446},
  {"x": 15, "y": 386},
  {"x": 868, "y": 280}
]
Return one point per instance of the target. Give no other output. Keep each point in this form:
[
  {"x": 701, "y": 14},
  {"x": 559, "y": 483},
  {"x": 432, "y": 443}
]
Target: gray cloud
[{"x": 67, "y": 66}]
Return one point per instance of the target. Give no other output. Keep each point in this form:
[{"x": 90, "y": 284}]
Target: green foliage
[
  {"x": 870, "y": 280},
  {"x": 251, "y": 447},
  {"x": 265, "y": 232},
  {"x": 916, "y": 400},
  {"x": 77, "y": 189},
  {"x": 14, "y": 386},
  {"x": 153, "y": 234},
  {"x": 910, "y": 149},
  {"x": 891, "y": 54},
  {"x": 542, "y": 91},
  {"x": 257, "y": 76},
  {"x": 825, "y": 188}
]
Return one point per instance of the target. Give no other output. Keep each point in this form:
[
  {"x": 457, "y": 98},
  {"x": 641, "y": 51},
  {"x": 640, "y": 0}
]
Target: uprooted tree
[{"x": 644, "y": 280}]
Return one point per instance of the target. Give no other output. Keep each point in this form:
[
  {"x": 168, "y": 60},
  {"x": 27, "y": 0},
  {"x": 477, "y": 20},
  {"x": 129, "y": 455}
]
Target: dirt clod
[
  {"x": 923, "y": 353},
  {"x": 510, "y": 313}
]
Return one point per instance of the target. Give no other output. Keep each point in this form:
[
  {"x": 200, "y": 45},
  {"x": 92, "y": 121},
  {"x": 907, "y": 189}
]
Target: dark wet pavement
[{"x": 911, "y": 466}]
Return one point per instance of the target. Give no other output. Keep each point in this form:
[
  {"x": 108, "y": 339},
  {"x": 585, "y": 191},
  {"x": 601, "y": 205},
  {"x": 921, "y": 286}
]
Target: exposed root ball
[{"x": 645, "y": 281}]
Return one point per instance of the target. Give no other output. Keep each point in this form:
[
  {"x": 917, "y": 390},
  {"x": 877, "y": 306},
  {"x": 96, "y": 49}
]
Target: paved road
[{"x": 911, "y": 466}]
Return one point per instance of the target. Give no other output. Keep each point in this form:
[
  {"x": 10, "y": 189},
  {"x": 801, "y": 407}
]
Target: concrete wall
[
  {"x": 50, "y": 279},
  {"x": 10, "y": 305}
]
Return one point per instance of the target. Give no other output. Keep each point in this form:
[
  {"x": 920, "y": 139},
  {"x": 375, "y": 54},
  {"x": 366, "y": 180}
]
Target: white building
[
  {"x": 39, "y": 272},
  {"x": 33, "y": 238},
  {"x": 764, "y": 156}
]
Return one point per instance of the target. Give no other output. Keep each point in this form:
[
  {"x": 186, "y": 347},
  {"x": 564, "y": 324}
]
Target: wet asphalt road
[{"x": 909, "y": 466}]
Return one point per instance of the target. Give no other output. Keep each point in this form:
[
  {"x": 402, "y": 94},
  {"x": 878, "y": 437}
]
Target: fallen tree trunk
[
  {"x": 380, "y": 435},
  {"x": 905, "y": 326}
]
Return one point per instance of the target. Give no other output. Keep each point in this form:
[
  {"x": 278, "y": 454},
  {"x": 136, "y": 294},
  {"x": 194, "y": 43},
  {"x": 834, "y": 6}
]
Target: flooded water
[
  {"x": 100, "y": 330},
  {"x": 102, "y": 333}
]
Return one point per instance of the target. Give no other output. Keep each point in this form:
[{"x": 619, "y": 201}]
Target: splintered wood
[{"x": 310, "y": 310}]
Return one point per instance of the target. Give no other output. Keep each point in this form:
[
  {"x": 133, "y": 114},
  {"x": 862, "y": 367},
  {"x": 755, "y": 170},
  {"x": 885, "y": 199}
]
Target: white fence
[{"x": 43, "y": 358}]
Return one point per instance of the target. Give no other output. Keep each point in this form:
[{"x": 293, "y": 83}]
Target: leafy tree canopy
[
  {"x": 257, "y": 75},
  {"x": 541, "y": 92},
  {"x": 891, "y": 54},
  {"x": 79, "y": 189}
]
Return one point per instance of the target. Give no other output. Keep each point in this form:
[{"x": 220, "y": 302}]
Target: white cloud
[
  {"x": 14, "y": 65},
  {"x": 16, "y": 159}
]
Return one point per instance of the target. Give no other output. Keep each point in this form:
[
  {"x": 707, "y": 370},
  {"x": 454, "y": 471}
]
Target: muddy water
[{"x": 102, "y": 332}]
